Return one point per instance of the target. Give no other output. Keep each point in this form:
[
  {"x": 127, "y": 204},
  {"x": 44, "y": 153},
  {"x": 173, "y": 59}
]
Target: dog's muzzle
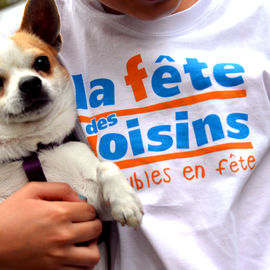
[{"x": 33, "y": 93}]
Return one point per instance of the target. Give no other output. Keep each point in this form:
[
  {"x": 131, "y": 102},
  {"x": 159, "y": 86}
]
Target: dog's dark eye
[
  {"x": 1, "y": 83},
  {"x": 42, "y": 63}
]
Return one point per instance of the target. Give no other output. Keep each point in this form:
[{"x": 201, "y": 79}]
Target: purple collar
[{"x": 32, "y": 166}]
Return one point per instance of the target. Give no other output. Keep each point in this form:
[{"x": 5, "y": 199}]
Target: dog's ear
[{"x": 41, "y": 18}]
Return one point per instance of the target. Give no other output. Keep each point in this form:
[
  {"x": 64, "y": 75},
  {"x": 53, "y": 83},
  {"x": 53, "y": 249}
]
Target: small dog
[{"x": 37, "y": 108}]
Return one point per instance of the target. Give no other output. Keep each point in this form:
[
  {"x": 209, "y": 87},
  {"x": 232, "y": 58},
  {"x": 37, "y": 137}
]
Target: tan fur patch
[
  {"x": 2, "y": 92},
  {"x": 28, "y": 41}
]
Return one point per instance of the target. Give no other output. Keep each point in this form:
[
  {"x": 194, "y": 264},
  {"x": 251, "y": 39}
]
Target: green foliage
[{"x": 6, "y": 3}]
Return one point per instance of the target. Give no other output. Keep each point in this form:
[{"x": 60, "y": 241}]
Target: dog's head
[{"x": 35, "y": 88}]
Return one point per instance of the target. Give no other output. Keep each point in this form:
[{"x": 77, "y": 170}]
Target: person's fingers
[
  {"x": 77, "y": 211},
  {"x": 86, "y": 231},
  {"x": 51, "y": 192},
  {"x": 82, "y": 256}
]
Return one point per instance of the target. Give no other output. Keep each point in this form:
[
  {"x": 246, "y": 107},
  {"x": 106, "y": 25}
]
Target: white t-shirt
[{"x": 181, "y": 104}]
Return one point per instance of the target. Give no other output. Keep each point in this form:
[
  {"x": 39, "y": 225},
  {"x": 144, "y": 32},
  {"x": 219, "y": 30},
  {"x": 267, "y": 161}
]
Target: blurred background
[
  {"x": 7, "y": 3},
  {"x": 11, "y": 12}
]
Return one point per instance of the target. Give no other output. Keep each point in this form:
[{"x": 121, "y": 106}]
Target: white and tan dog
[{"x": 37, "y": 107}]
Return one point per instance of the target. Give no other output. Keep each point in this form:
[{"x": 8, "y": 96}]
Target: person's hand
[{"x": 40, "y": 225}]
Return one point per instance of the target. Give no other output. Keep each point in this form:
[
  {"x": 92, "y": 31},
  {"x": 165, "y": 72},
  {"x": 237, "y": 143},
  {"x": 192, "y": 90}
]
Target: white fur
[{"x": 74, "y": 163}]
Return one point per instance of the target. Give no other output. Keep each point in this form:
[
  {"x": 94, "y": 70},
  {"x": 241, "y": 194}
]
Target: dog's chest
[
  {"x": 12, "y": 178},
  {"x": 71, "y": 163}
]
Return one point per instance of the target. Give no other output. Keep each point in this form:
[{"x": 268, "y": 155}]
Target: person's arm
[{"x": 40, "y": 225}]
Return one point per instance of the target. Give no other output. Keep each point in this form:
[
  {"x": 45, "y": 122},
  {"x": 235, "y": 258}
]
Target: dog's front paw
[
  {"x": 127, "y": 210},
  {"x": 125, "y": 205}
]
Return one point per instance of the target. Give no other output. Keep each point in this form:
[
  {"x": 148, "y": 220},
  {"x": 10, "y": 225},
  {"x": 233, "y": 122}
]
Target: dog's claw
[{"x": 128, "y": 214}]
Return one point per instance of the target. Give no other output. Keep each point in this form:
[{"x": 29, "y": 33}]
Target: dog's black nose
[{"x": 30, "y": 86}]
